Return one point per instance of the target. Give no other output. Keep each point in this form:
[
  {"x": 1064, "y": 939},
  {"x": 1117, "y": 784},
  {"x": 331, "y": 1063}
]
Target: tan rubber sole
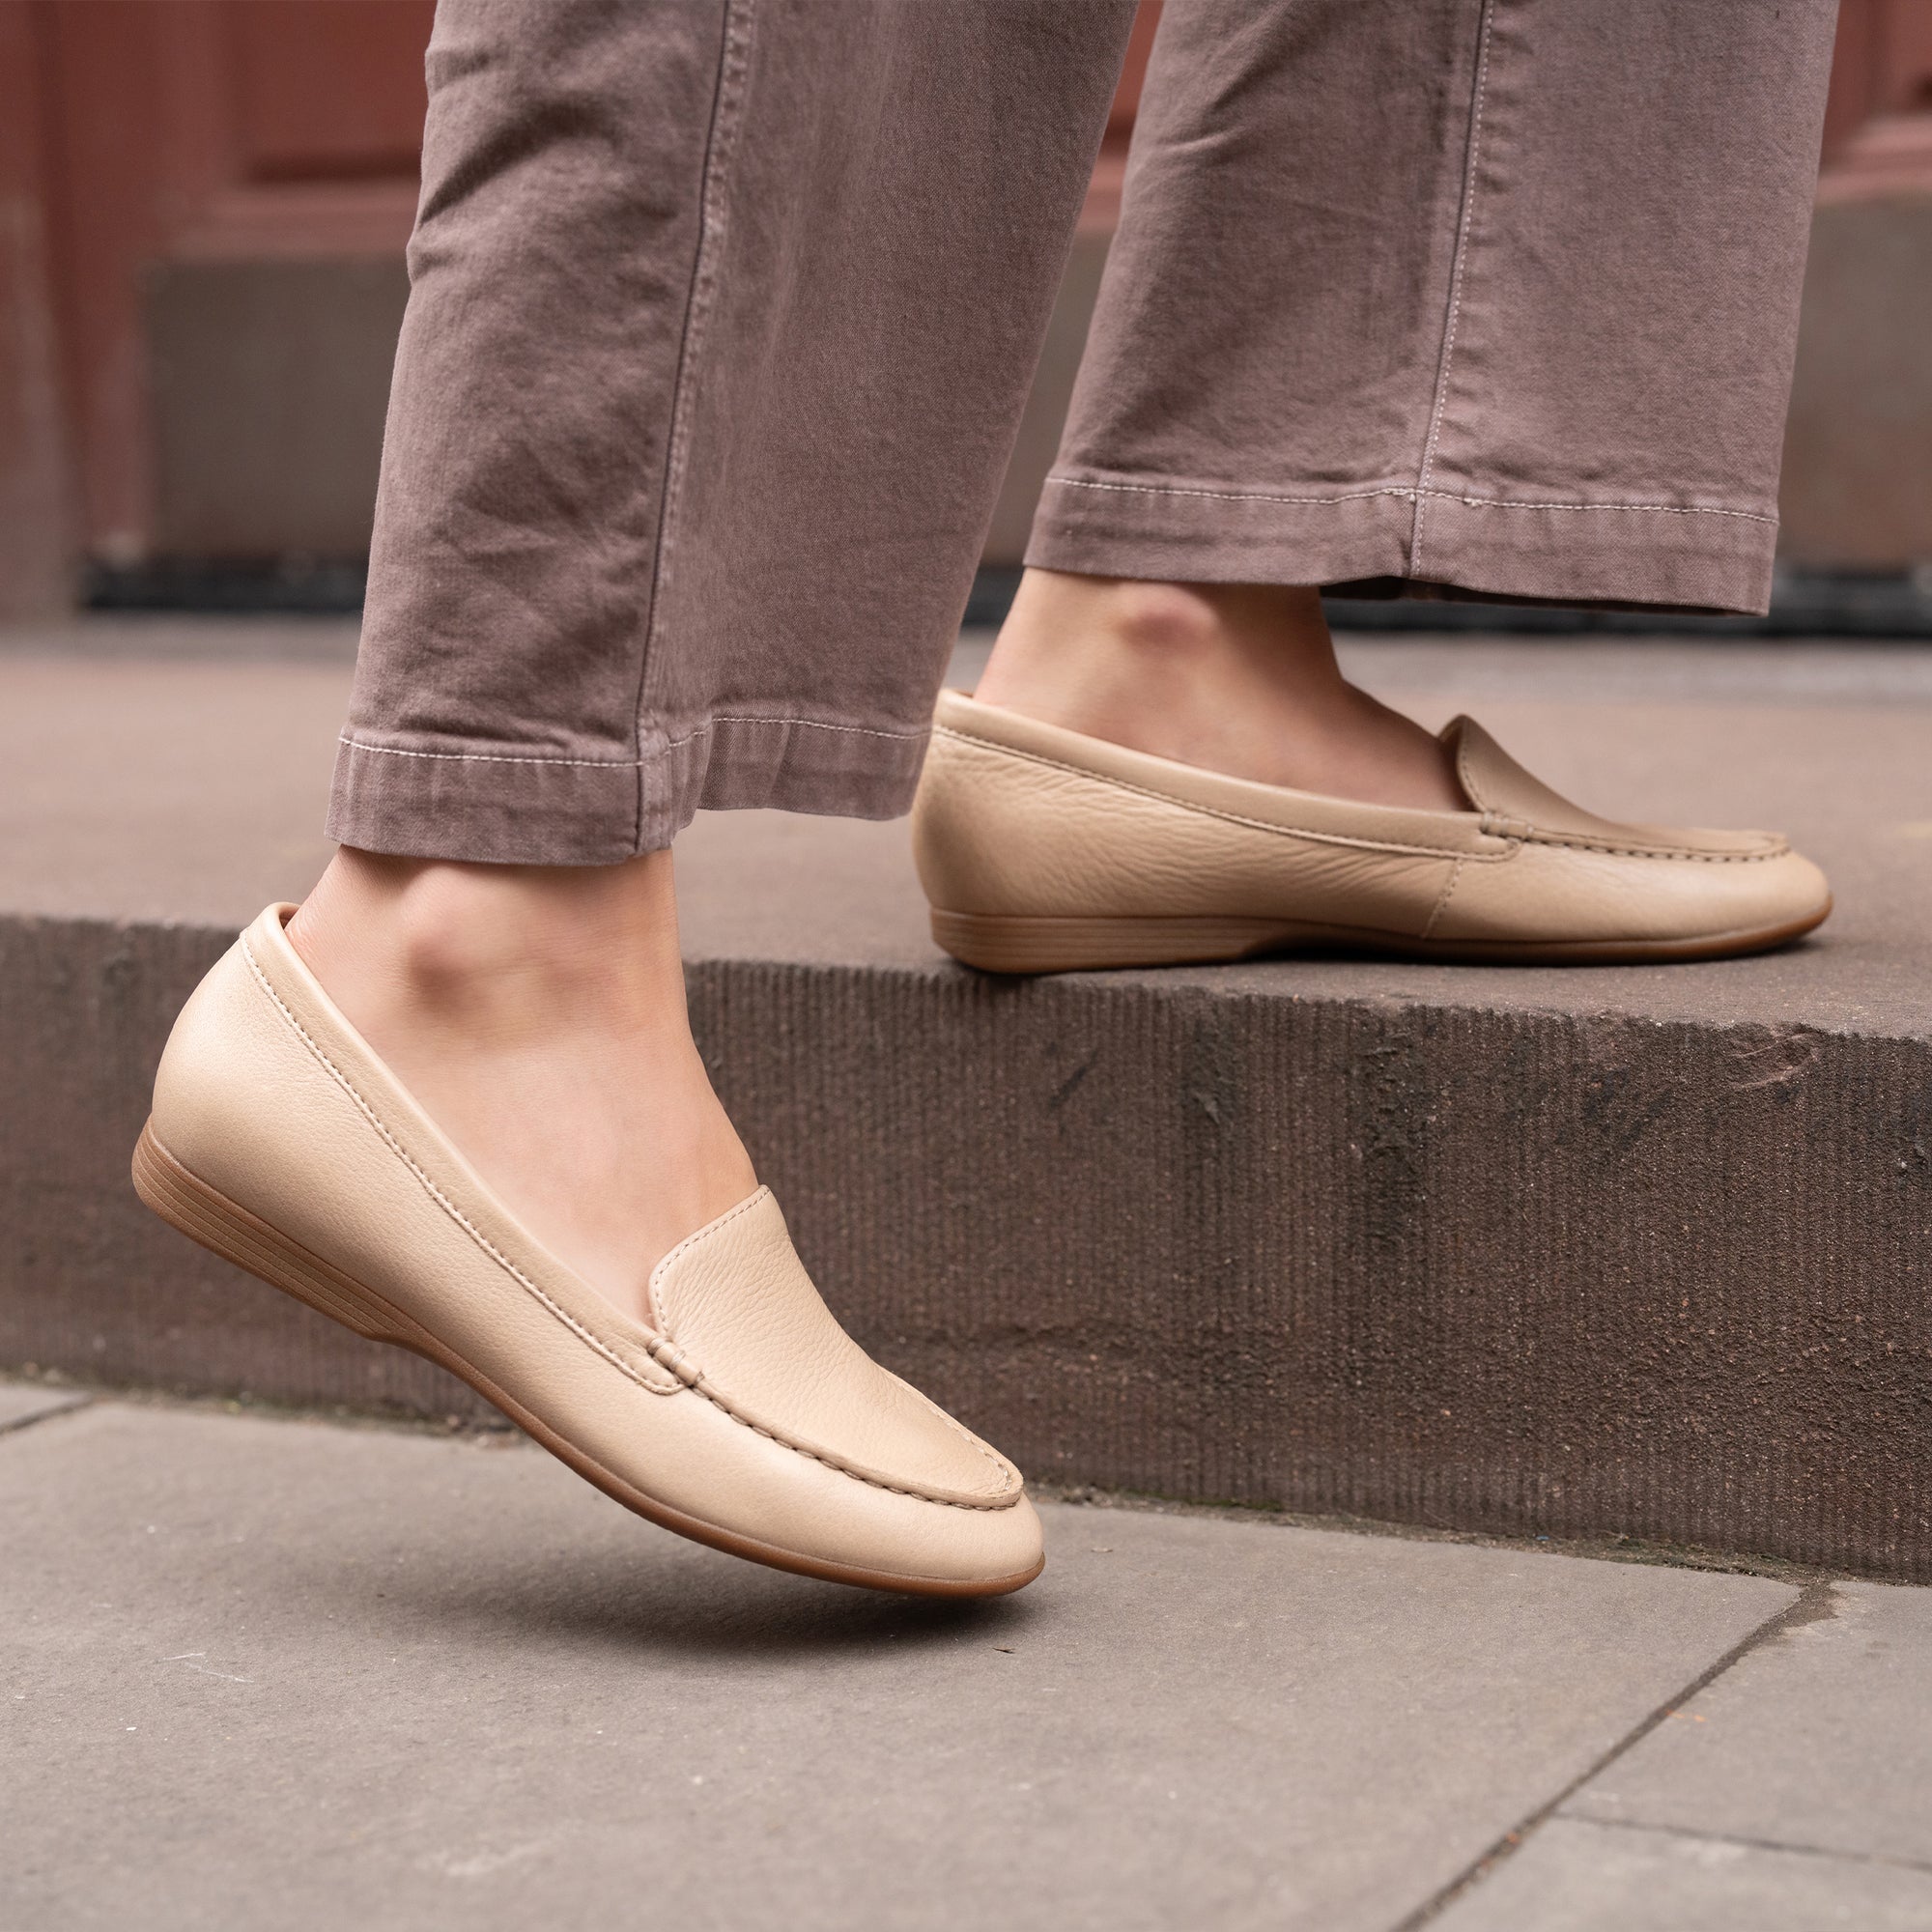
[
  {"x": 999, "y": 942},
  {"x": 206, "y": 1216}
]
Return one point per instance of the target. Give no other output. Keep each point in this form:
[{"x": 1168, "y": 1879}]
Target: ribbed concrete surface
[{"x": 1636, "y": 1253}]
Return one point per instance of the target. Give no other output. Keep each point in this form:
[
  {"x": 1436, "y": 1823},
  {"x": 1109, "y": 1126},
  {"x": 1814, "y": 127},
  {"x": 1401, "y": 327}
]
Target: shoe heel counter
[
  {"x": 217, "y": 1070},
  {"x": 984, "y": 838},
  {"x": 940, "y": 827}
]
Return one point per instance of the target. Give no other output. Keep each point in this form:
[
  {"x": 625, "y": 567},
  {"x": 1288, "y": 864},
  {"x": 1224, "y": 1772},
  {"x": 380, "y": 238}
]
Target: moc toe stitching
[
  {"x": 1536, "y": 835},
  {"x": 1004, "y": 1501},
  {"x": 1008, "y": 1485}
]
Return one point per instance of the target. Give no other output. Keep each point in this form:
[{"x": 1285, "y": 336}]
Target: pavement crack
[
  {"x": 1813, "y": 1603},
  {"x": 1064, "y": 1092},
  {"x": 1755, "y": 1844},
  {"x": 16, "y": 1424}
]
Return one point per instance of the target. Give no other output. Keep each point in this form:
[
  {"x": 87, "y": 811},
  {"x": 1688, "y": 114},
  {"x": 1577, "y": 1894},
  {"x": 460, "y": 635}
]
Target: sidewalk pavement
[{"x": 279, "y": 1672}]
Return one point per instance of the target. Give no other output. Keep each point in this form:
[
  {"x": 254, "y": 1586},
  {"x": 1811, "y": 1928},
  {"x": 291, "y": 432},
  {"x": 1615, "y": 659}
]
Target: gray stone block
[
  {"x": 327, "y": 1676},
  {"x": 1820, "y": 1739}
]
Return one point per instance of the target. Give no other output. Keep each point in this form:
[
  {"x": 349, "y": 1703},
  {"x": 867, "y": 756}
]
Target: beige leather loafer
[
  {"x": 743, "y": 1416},
  {"x": 1042, "y": 850}
]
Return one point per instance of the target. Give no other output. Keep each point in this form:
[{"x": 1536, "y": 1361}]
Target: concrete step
[{"x": 1581, "y": 1253}]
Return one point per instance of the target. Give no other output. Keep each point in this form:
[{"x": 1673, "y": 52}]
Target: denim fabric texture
[{"x": 724, "y": 313}]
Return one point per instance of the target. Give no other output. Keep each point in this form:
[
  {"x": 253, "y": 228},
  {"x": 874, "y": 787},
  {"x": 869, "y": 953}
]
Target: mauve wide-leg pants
[{"x": 723, "y": 314}]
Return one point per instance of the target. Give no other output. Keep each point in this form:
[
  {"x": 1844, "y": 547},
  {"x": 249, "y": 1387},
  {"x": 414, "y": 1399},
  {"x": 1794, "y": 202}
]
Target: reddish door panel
[
  {"x": 327, "y": 89},
  {"x": 218, "y": 132}
]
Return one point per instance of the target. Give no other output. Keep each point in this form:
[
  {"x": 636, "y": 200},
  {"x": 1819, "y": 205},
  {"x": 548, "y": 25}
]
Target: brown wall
[
  {"x": 36, "y": 520},
  {"x": 220, "y": 192}
]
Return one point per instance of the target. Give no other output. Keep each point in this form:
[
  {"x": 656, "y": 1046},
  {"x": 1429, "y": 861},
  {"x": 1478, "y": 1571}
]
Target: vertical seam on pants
[
  {"x": 1463, "y": 226},
  {"x": 733, "y": 64}
]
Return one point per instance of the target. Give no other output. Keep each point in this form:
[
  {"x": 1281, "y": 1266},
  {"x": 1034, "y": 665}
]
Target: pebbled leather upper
[{"x": 1020, "y": 819}]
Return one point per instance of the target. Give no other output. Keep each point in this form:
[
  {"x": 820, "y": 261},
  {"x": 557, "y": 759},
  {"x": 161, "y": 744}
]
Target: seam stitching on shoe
[
  {"x": 1409, "y": 492},
  {"x": 1583, "y": 843},
  {"x": 1009, "y": 1493},
  {"x": 1519, "y": 834},
  {"x": 1505, "y": 827},
  {"x": 437, "y": 1194},
  {"x": 1004, "y": 1470},
  {"x": 1000, "y": 1466},
  {"x": 689, "y": 1241},
  {"x": 1466, "y": 779},
  {"x": 482, "y": 1240},
  {"x": 1216, "y": 812},
  {"x": 1441, "y": 899}
]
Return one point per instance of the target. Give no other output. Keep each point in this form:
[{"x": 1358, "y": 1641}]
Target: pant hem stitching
[
  {"x": 1411, "y": 492},
  {"x": 909, "y": 736}
]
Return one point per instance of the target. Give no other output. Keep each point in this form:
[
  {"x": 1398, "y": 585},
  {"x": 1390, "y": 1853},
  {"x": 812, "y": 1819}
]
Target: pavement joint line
[
  {"x": 73, "y": 1408},
  {"x": 1805, "y": 1851},
  {"x": 1814, "y": 1604}
]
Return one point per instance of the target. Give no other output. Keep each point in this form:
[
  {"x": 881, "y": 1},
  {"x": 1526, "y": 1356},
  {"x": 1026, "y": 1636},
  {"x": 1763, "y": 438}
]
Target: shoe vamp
[
  {"x": 739, "y": 1305},
  {"x": 1118, "y": 853},
  {"x": 1563, "y": 894},
  {"x": 1498, "y": 784}
]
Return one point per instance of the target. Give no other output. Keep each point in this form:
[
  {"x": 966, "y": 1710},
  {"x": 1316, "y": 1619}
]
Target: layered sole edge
[{"x": 1028, "y": 944}]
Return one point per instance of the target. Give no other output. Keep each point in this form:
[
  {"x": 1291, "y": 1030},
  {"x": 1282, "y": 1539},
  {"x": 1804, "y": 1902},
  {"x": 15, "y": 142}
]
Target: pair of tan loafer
[{"x": 742, "y": 1415}]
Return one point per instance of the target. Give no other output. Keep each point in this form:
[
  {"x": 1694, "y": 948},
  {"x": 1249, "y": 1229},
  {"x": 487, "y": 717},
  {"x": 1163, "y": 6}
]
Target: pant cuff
[
  {"x": 497, "y": 805},
  {"x": 1406, "y": 541}
]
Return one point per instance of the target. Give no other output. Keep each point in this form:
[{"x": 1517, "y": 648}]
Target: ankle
[
  {"x": 482, "y": 944},
  {"x": 1234, "y": 678},
  {"x": 1122, "y": 614},
  {"x": 1117, "y": 648}
]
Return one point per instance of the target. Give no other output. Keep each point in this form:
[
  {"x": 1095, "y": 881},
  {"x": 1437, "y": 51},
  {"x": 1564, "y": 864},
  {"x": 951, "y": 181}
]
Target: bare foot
[
  {"x": 1239, "y": 678},
  {"x": 537, "y": 1014}
]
